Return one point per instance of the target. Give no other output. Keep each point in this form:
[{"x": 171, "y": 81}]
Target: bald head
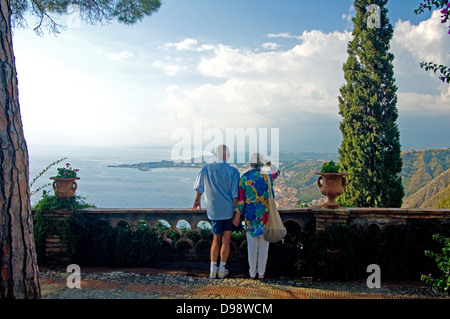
[{"x": 222, "y": 152}]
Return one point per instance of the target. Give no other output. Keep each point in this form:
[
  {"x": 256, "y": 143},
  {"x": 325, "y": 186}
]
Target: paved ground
[{"x": 187, "y": 284}]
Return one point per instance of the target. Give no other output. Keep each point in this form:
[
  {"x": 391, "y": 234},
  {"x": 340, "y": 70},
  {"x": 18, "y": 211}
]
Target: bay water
[{"x": 114, "y": 187}]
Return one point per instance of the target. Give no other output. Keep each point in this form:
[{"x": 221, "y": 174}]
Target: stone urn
[
  {"x": 331, "y": 185},
  {"x": 64, "y": 187}
]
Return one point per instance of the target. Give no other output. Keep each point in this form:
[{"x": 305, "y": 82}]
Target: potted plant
[
  {"x": 331, "y": 183},
  {"x": 64, "y": 183}
]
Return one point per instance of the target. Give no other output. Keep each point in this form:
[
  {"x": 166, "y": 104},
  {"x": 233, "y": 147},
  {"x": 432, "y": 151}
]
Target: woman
[{"x": 253, "y": 205}]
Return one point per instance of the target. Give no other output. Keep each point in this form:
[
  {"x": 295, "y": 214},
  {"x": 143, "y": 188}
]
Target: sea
[{"x": 106, "y": 186}]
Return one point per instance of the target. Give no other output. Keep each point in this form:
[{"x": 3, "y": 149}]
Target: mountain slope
[
  {"x": 429, "y": 195},
  {"x": 444, "y": 201},
  {"x": 440, "y": 200},
  {"x": 425, "y": 176},
  {"x": 421, "y": 167}
]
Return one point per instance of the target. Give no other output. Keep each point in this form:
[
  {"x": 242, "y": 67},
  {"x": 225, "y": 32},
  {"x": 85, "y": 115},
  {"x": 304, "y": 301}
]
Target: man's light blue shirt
[{"x": 220, "y": 183}]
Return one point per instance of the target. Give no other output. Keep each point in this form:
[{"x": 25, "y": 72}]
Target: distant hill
[
  {"x": 439, "y": 200},
  {"x": 444, "y": 198},
  {"x": 298, "y": 175},
  {"x": 429, "y": 195},
  {"x": 421, "y": 167},
  {"x": 425, "y": 176},
  {"x": 301, "y": 176}
]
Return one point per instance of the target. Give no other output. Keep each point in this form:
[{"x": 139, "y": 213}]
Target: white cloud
[
  {"x": 415, "y": 103},
  {"x": 421, "y": 92},
  {"x": 285, "y": 35},
  {"x": 271, "y": 46},
  {"x": 263, "y": 89},
  {"x": 294, "y": 88},
  {"x": 120, "y": 56},
  {"x": 428, "y": 41},
  {"x": 347, "y": 17},
  {"x": 189, "y": 45},
  {"x": 169, "y": 69},
  {"x": 289, "y": 88}
]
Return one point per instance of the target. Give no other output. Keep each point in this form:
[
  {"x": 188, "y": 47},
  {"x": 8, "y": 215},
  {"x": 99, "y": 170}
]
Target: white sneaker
[
  {"x": 223, "y": 274},
  {"x": 212, "y": 274}
]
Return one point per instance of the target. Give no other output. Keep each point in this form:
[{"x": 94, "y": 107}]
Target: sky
[{"x": 203, "y": 66}]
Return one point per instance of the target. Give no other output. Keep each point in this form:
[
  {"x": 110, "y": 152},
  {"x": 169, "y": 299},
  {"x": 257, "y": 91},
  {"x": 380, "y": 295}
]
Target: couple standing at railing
[{"x": 230, "y": 199}]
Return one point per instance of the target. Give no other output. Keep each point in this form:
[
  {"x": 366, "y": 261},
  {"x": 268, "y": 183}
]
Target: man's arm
[
  {"x": 197, "y": 201},
  {"x": 237, "y": 217},
  {"x": 199, "y": 188}
]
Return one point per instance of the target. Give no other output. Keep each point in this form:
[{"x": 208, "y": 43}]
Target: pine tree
[
  {"x": 370, "y": 150},
  {"x": 18, "y": 264}
]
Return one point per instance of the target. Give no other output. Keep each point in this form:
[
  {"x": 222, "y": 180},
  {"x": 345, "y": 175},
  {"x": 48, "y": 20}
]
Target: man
[{"x": 220, "y": 183}]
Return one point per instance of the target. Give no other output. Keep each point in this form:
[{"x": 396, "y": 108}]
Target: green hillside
[
  {"x": 421, "y": 167},
  {"x": 425, "y": 176},
  {"x": 429, "y": 195},
  {"x": 303, "y": 179},
  {"x": 444, "y": 201},
  {"x": 440, "y": 200}
]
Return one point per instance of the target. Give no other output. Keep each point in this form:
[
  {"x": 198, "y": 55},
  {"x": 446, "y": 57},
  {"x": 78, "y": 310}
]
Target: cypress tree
[{"x": 370, "y": 151}]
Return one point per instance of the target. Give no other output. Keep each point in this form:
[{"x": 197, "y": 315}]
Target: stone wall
[{"x": 319, "y": 218}]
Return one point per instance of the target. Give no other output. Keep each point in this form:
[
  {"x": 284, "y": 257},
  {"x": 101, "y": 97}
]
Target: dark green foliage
[
  {"x": 90, "y": 241},
  {"x": 41, "y": 226},
  {"x": 94, "y": 242},
  {"x": 442, "y": 260},
  {"x": 67, "y": 172},
  {"x": 284, "y": 255},
  {"x": 52, "y": 202},
  {"x": 339, "y": 253},
  {"x": 331, "y": 255},
  {"x": 444, "y": 70},
  {"x": 330, "y": 167},
  {"x": 40, "y": 229},
  {"x": 343, "y": 252},
  {"x": 370, "y": 150}
]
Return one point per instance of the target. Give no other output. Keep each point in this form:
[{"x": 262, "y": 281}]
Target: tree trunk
[{"x": 18, "y": 264}]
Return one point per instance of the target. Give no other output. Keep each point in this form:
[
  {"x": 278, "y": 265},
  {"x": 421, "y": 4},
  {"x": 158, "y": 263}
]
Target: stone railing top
[
  {"x": 321, "y": 217},
  {"x": 281, "y": 210}
]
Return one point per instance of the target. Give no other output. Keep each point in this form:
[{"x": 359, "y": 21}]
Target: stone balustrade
[
  {"x": 322, "y": 218},
  {"x": 316, "y": 219}
]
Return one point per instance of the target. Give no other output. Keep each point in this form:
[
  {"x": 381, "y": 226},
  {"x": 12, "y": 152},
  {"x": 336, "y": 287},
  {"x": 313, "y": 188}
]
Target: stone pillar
[
  {"x": 328, "y": 217},
  {"x": 55, "y": 249}
]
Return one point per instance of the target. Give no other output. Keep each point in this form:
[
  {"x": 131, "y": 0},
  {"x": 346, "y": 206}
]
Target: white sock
[
  {"x": 222, "y": 266},
  {"x": 213, "y": 267}
]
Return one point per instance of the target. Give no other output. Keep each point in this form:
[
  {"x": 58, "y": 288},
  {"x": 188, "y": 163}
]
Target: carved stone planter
[
  {"x": 331, "y": 185},
  {"x": 64, "y": 187}
]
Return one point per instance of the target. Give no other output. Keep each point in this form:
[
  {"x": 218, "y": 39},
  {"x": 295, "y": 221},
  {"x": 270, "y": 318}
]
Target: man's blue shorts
[{"x": 219, "y": 226}]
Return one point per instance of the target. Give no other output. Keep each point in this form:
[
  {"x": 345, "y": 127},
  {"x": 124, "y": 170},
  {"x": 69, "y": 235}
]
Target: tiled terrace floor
[{"x": 187, "y": 284}]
